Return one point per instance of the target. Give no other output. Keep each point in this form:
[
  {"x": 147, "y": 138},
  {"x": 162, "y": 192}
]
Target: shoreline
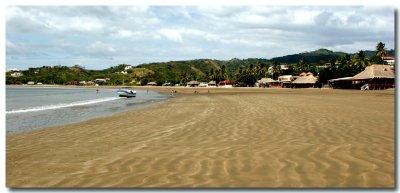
[
  {"x": 248, "y": 137},
  {"x": 58, "y": 113}
]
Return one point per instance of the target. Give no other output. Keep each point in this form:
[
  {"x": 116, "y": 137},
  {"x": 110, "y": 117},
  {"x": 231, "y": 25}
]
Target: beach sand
[{"x": 240, "y": 137}]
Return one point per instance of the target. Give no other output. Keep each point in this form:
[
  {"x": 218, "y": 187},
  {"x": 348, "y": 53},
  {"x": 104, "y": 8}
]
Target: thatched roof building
[
  {"x": 375, "y": 76},
  {"x": 375, "y": 71},
  {"x": 310, "y": 79},
  {"x": 266, "y": 80}
]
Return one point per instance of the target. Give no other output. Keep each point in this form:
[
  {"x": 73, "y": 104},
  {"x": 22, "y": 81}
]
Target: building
[
  {"x": 127, "y": 67},
  {"x": 192, "y": 83},
  {"x": 151, "y": 84},
  {"x": 100, "y": 80},
  {"x": 268, "y": 82},
  {"x": 203, "y": 84},
  {"x": 16, "y": 74},
  {"x": 375, "y": 77},
  {"x": 212, "y": 84},
  {"x": 306, "y": 80},
  {"x": 389, "y": 60},
  {"x": 285, "y": 80},
  {"x": 225, "y": 83},
  {"x": 72, "y": 82}
]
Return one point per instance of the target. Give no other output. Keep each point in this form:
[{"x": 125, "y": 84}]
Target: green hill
[
  {"x": 317, "y": 56},
  {"x": 172, "y": 71}
]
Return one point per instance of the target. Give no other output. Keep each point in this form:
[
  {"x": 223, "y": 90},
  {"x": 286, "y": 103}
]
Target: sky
[{"x": 98, "y": 37}]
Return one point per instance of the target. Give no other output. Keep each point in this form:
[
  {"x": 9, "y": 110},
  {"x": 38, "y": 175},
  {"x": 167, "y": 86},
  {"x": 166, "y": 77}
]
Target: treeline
[{"x": 243, "y": 72}]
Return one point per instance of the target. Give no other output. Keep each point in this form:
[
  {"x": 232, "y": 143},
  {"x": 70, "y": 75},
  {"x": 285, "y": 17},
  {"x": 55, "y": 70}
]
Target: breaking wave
[{"x": 63, "y": 105}]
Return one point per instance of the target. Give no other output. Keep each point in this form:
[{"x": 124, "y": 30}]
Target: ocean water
[{"x": 30, "y": 108}]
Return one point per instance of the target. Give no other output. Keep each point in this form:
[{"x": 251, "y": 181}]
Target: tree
[
  {"x": 360, "y": 61},
  {"x": 276, "y": 69},
  {"x": 303, "y": 66},
  {"x": 381, "y": 52}
]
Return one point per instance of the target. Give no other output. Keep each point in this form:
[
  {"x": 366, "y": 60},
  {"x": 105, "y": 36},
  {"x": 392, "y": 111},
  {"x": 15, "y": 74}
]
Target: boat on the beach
[{"x": 126, "y": 93}]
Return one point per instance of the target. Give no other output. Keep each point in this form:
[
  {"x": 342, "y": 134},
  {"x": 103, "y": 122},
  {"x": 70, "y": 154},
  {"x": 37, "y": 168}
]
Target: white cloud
[
  {"x": 159, "y": 33},
  {"x": 171, "y": 34},
  {"x": 100, "y": 48},
  {"x": 123, "y": 34}
]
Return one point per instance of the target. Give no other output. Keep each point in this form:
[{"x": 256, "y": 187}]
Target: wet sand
[{"x": 241, "y": 137}]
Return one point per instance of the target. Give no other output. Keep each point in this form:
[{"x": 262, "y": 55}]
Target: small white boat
[{"x": 126, "y": 93}]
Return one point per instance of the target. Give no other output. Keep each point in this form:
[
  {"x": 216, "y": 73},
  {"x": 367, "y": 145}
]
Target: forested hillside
[{"x": 322, "y": 62}]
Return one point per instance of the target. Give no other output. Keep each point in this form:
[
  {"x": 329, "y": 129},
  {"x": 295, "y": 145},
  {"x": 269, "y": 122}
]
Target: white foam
[{"x": 58, "y": 106}]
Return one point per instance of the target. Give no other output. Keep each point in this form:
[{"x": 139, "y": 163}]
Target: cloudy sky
[{"x": 98, "y": 37}]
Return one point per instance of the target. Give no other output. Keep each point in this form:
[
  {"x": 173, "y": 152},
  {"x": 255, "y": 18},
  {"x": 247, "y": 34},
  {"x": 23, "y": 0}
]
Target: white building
[
  {"x": 16, "y": 74},
  {"x": 100, "y": 80},
  {"x": 203, "y": 84},
  {"x": 128, "y": 67},
  {"x": 285, "y": 78},
  {"x": 389, "y": 60}
]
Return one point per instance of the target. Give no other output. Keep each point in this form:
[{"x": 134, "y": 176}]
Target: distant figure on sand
[{"x": 97, "y": 91}]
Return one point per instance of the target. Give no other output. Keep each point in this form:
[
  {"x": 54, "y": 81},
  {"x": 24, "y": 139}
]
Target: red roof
[
  {"x": 225, "y": 82},
  {"x": 388, "y": 58}
]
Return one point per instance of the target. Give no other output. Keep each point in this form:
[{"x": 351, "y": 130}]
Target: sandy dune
[{"x": 228, "y": 138}]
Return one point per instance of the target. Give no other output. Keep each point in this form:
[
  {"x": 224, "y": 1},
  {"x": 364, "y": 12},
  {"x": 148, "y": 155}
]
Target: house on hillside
[
  {"x": 16, "y": 74},
  {"x": 127, "y": 67}
]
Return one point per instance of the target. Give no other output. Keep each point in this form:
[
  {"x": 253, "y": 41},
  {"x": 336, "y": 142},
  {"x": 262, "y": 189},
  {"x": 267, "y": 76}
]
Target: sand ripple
[{"x": 252, "y": 138}]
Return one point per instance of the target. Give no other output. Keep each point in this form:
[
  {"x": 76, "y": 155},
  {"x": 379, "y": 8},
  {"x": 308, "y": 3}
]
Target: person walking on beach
[{"x": 97, "y": 91}]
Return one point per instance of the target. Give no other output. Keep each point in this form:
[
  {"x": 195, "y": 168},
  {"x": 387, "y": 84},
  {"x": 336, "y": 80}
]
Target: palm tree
[
  {"x": 211, "y": 74},
  {"x": 258, "y": 69},
  {"x": 303, "y": 66},
  {"x": 360, "y": 61},
  {"x": 240, "y": 70},
  {"x": 381, "y": 51},
  {"x": 344, "y": 60},
  {"x": 276, "y": 69},
  {"x": 222, "y": 73},
  {"x": 332, "y": 65}
]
